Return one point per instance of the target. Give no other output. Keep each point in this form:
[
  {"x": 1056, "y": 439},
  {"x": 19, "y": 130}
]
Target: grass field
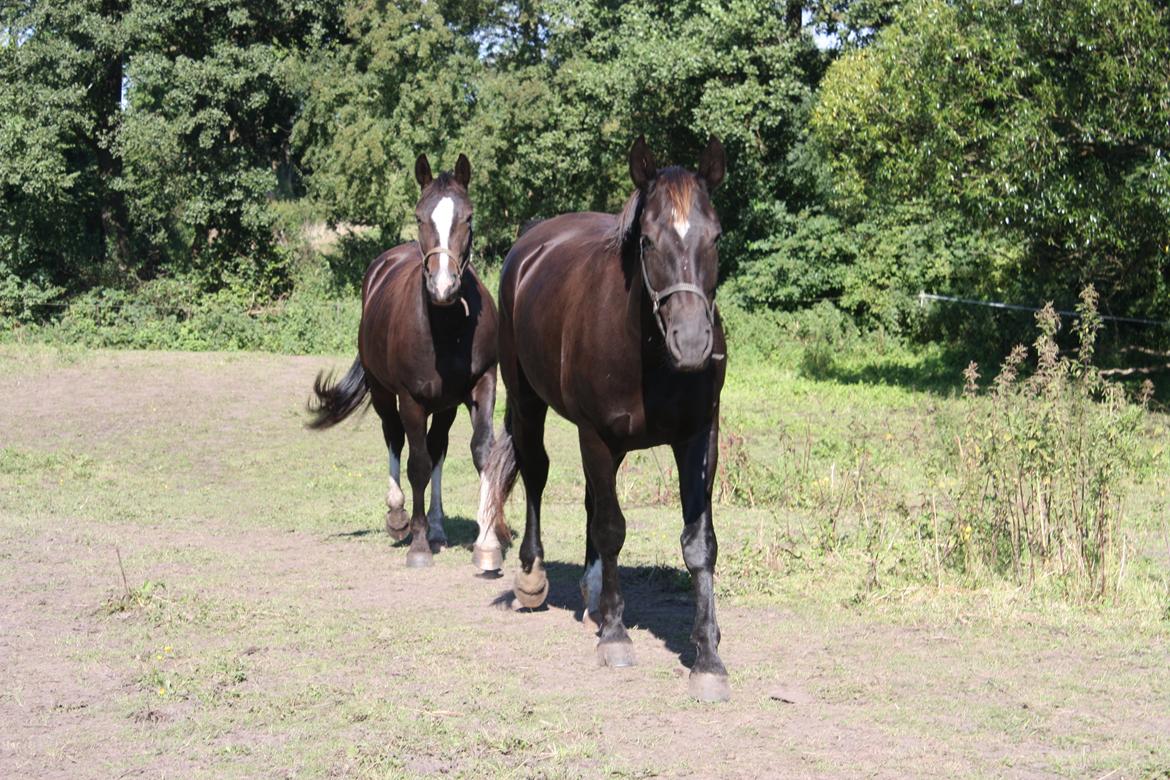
[{"x": 195, "y": 586}]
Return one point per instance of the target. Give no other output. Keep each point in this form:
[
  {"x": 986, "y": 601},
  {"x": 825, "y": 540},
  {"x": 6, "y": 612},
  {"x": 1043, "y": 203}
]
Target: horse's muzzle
[
  {"x": 689, "y": 342},
  {"x": 443, "y": 289}
]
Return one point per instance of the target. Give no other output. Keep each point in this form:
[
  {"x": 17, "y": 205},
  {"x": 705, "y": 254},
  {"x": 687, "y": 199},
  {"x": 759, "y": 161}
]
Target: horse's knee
[
  {"x": 418, "y": 469},
  {"x": 699, "y": 549}
]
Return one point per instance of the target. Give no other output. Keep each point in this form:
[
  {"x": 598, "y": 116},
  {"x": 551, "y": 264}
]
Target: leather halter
[
  {"x": 657, "y": 297},
  {"x": 459, "y": 276},
  {"x": 441, "y": 251}
]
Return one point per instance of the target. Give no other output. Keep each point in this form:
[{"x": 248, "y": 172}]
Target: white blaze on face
[
  {"x": 681, "y": 224},
  {"x": 441, "y": 218}
]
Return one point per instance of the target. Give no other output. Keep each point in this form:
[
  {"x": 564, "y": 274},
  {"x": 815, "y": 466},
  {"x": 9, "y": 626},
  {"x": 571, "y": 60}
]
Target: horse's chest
[
  {"x": 442, "y": 372},
  {"x": 681, "y": 407}
]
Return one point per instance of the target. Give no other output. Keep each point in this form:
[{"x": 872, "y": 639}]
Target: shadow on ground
[
  {"x": 658, "y": 599},
  {"x": 461, "y": 532},
  {"x": 939, "y": 374}
]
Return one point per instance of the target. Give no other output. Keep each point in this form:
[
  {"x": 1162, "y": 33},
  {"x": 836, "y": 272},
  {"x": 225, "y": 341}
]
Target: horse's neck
[{"x": 639, "y": 317}]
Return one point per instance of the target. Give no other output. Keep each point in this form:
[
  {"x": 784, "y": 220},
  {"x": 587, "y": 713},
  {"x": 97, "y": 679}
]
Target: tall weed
[{"x": 1043, "y": 463}]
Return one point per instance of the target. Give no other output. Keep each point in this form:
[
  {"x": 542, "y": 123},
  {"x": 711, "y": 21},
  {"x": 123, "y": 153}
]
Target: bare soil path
[{"x": 268, "y": 628}]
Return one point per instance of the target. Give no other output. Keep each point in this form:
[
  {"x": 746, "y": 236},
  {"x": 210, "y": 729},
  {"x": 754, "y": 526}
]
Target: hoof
[
  {"x": 531, "y": 589},
  {"x": 397, "y": 524},
  {"x": 419, "y": 559},
  {"x": 705, "y": 686},
  {"x": 615, "y": 654},
  {"x": 487, "y": 558}
]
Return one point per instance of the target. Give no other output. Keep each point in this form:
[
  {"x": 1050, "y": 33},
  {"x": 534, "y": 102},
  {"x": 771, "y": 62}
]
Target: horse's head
[
  {"x": 444, "y": 228},
  {"x": 677, "y": 230}
]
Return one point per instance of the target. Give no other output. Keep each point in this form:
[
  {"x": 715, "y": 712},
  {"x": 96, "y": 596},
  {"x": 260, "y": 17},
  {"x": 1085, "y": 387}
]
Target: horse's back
[
  {"x": 551, "y": 249},
  {"x": 562, "y": 304}
]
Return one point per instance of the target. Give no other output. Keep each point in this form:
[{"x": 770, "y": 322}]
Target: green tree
[
  {"x": 139, "y": 135},
  {"x": 397, "y": 82},
  {"x": 1044, "y": 125},
  {"x": 206, "y": 134},
  {"x": 64, "y": 221},
  {"x": 545, "y": 98}
]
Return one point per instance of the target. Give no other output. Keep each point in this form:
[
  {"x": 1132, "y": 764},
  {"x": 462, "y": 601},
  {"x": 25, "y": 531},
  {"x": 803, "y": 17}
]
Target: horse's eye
[
  {"x": 468, "y": 220},
  {"x": 718, "y": 236}
]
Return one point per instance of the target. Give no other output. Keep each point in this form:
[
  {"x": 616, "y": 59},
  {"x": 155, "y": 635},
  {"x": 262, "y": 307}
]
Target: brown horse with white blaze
[
  {"x": 610, "y": 320},
  {"x": 426, "y": 344}
]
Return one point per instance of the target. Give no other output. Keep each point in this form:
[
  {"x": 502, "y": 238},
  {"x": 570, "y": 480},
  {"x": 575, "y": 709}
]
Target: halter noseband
[
  {"x": 441, "y": 251},
  {"x": 657, "y": 297},
  {"x": 462, "y": 267}
]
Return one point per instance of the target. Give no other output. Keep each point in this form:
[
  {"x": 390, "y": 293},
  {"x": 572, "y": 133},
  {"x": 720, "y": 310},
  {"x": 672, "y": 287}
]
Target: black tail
[
  {"x": 499, "y": 476},
  {"x": 337, "y": 400}
]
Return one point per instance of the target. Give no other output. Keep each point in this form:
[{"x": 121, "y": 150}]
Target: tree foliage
[
  {"x": 1009, "y": 148},
  {"x": 1043, "y": 124},
  {"x": 545, "y": 98}
]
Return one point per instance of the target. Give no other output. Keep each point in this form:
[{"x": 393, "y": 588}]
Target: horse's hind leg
[
  {"x": 397, "y": 523},
  {"x": 526, "y": 416},
  {"x": 607, "y": 532},
  {"x": 591, "y": 579},
  {"x": 697, "y": 459},
  {"x": 437, "y": 449},
  {"x": 418, "y": 471}
]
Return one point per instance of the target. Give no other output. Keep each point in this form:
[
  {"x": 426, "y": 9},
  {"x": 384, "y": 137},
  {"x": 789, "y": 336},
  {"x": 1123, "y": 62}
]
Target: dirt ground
[{"x": 195, "y": 586}]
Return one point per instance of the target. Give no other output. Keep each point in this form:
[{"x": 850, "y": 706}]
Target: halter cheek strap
[{"x": 657, "y": 297}]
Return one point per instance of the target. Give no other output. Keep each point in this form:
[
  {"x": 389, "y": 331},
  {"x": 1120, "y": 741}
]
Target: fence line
[{"x": 923, "y": 297}]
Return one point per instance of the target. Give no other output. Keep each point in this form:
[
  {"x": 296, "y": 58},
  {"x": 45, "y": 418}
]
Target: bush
[
  {"x": 22, "y": 300},
  {"x": 805, "y": 259},
  {"x": 1043, "y": 464},
  {"x": 171, "y": 314}
]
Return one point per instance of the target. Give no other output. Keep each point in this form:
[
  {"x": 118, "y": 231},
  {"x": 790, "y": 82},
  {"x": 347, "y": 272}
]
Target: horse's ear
[
  {"x": 642, "y": 166},
  {"x": 463, "y": 170},
  {"x": 712, "y": 165},
  {"x": 422, "y": 171}
]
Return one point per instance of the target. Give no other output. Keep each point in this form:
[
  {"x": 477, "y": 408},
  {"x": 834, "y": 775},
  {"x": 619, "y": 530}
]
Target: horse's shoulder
[{"x": 382, "y": 266}]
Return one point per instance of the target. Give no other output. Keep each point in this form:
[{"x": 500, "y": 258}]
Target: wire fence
[{"x": 923, "y": 297}]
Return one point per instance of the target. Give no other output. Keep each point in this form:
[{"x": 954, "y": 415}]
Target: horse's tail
[
  {"x": 337, "y": 400},
  {"x": 499, "y": 476}
]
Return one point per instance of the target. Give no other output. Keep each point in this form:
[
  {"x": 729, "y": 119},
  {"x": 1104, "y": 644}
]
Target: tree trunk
[
  {"x": 106, "y": 95},
  {"x": 792, "y": 17}
]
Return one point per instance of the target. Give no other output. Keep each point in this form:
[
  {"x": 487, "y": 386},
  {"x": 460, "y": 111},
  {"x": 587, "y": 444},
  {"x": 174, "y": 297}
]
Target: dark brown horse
[
  {"x": 427, "y": 343},
  {"x": 611, "y": 321}
]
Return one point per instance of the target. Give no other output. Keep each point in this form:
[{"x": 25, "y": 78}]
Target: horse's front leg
[
  {"x": 697, "y": 459},
  {"x": 437, "y": 450},
  {"x": 608, "y": 533},
  {"x": 418, "y": 471},
  {"x": 487, "y": 555}
]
